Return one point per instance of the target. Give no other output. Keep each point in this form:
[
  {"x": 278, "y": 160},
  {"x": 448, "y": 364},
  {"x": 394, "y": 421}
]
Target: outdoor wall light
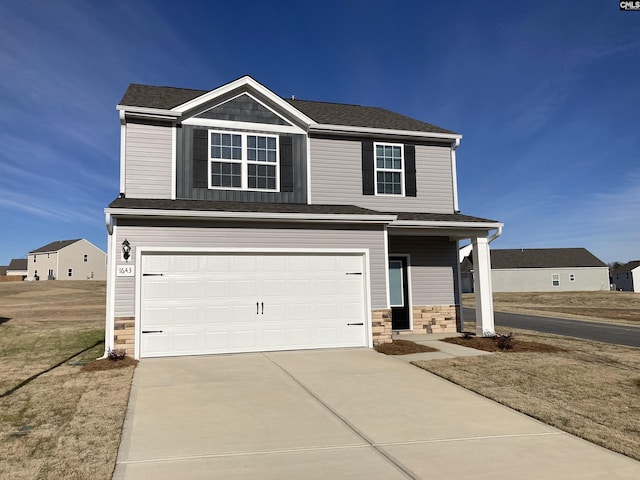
[{"x": 126, "y": 249}]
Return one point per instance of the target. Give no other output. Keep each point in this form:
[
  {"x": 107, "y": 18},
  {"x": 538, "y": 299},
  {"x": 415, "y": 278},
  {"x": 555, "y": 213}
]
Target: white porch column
[{"x": 482, "y": 286}]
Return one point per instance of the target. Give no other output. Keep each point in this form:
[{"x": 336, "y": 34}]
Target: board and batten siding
[
  {"x": 148, "y": 162},
  {"x": 433, "y": 262},
  {"x": 336, "y": 178},
  {"x": 186, "y": 235}
]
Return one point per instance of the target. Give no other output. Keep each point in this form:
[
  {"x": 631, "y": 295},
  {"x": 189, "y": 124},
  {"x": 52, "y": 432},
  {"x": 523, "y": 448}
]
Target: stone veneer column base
[
  {"x": 381, "y": 326},
  {"x": 124, "y": 335},
  {"x": 434, "y": 319}
]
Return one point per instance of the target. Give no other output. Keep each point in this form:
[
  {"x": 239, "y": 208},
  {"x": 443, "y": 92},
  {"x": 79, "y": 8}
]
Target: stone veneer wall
[
  {"x": 124, "y": 335},
  {"x": 434, "y": 319},
  {"x": 381, "y": 326}
]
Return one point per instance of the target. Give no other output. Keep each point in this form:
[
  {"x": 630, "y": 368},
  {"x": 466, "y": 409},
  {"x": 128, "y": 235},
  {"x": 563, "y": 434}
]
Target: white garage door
[{"x": 223, "y": 303}]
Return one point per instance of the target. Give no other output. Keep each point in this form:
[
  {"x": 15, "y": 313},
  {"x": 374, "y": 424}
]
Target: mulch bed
[
  {"x": 491, "y": 344},
  {"x": 108, "y": 364},
  {"x": 403, "y": 347}
]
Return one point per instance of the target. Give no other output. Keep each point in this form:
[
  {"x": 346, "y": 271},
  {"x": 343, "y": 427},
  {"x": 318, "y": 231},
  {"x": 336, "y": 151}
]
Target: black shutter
[
  {"x": 410, "y": 189},
  {"x": 368, "y": 170},
  {"x": 200, "y": 158},
  {"x": 286, "y": 164}
]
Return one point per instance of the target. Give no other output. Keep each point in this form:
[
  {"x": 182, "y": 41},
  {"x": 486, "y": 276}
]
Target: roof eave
[
  {"x": 251, "y": 216},
  {"x": 355, "y": 131},
  {"x": 147, "y": 112}
]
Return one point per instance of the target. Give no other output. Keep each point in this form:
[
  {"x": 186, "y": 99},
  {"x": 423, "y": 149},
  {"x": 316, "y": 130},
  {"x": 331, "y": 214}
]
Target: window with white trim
[
  {"x": 85, "y": 258},
  {"x": 572, "y": 277},
  {"x": 555, "y": 280},
  {"x": 243, "y": 161},
  {"x": 389, "y": 163},
  {"x": 70, "y": 272}
]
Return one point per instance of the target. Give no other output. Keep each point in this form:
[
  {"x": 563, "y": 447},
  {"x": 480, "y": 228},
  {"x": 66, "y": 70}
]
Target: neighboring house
[
  {"x": 248, "y": 222},
  {"x": 542, "y": 270},
  {"x": 627, "y": 277},
  {"x": 17, "y": 268},
  {"x": 75, "y": 259}
]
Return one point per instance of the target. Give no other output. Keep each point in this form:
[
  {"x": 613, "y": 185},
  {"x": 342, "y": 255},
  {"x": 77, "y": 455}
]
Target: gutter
[
  {"x": 266, "y": 216},
  {"x": 497, "y": 233}
]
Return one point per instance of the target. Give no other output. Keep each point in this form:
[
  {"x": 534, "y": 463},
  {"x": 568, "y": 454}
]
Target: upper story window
[
  {"x": 85, "y": 258},
  {"x": 243, "y": 161},
  {"x": 555, "y": 280},
  {"x": 389, "y": 168}
]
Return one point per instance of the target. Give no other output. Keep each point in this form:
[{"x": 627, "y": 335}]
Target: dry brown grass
[
  {"x": 601, "y": 306},
  {"x": 64, "y": 423},
  {"x": 587, "y": 388}
]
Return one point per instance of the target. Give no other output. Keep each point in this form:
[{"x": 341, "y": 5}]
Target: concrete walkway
[{"x": 343, "y": 414}]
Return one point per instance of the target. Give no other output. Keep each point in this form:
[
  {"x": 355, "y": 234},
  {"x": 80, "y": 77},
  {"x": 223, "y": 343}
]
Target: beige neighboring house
[
  {"x": 75, "y": 259},
  {"x": 17, "y": 268}
]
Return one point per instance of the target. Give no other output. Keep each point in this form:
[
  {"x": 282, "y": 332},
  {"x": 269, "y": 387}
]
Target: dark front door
[{"x": 398, "y": 293}]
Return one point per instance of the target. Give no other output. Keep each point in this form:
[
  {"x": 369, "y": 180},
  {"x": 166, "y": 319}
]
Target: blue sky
[{"x": 546, "y": 95}]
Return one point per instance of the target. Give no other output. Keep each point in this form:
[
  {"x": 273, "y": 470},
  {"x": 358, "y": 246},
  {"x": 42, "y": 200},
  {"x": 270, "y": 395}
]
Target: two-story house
[{"x": 249, "y": 222}]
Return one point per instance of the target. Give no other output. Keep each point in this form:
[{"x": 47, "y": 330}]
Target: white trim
[
  {"x": 174, "y": 161},
  {"x": 123, "y": 151},
  {"x": 254, "y": 216},
  {"x": 390, "y": 170},
  {"x": 147, "y": 112},
  {"x": 147, "y": 250},
  {"x": 347, "y": 129},
  {"x": 253, "y": 127},
  {"x": 454, "y": 174},
  {"x": 309, "y": 200},
  {"x": 407, "y": 257},
  {"x": 245, "y": 81},
  {"x": 244, "y": 161},
  {"x": 111, "y": 293},
  {"x": 256, "y": 100},
  {"x": 445, "y": 224},
  {"x": 386, "y": 266}
]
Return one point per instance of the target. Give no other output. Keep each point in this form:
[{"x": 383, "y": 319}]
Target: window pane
[
  {"x": 262, "y": 177},
  {"x": 225, "y": 174},
  {"x": 251, "y": 141},
  {"x": 396, "y": 290}
]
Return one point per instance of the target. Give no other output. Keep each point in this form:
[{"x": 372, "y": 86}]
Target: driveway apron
[{"x": 321, "y": 414}]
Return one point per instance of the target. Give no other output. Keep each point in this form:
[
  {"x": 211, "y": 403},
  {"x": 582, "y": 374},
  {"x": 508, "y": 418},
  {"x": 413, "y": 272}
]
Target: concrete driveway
[{"x": 340, "y": 414}]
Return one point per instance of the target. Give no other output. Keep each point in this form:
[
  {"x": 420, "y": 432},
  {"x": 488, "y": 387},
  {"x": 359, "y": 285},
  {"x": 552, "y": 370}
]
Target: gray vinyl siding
[
  {"x": 184, "y": 174},
  {"x": 433, "y": 262},
  {"x": 148, "y": 161},
  {"x": 336, "y": 178},
  {"x": 540, "y": 279},
  {"x": 189, "y": 235}
]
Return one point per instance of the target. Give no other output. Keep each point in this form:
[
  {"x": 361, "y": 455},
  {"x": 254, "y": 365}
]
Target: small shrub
[
  {"x": 505, "y": 342},
  {"x": 116, "y": 355},
  {"x": 468, "y": 335}
]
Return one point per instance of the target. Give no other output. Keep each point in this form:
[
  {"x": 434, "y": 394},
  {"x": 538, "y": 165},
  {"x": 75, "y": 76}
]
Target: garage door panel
[{"x": 214, "y": 303}]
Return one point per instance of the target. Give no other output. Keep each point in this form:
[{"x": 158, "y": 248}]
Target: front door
[{"x": 399, "y": 293}]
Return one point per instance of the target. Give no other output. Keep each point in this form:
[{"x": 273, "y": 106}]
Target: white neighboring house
[
  {"x": 627, "y": 277},
  {"x": 75, "y": 259},
  {"x": 542, "y": 270}
]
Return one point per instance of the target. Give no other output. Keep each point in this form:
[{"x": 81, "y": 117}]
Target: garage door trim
[{"x": 140, "y": 251}]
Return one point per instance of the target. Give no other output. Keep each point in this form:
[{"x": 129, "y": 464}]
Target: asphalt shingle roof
[
  {"x": 627, "y": 267},
  {"x": 224, "y": 206},
  {"x": 18, "y": 264},
  {"x": 167, "y": 98},
  {"x": 55, "y": 246},
  {"x": 544, "y": 258},
  {"x": 257, "y": 208}
]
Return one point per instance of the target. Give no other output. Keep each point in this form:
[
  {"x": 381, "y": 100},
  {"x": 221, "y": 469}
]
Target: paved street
[{"x": 601, "y": 332}]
